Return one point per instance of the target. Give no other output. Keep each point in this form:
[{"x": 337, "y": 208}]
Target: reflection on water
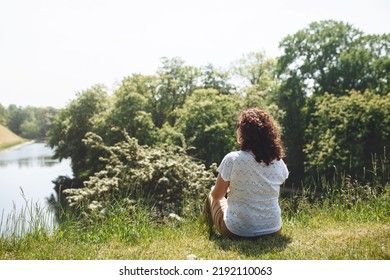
[
  {"x": 28, "y": 155},
  {"x": 29, "y": 162},
  {"x": 26, "y": 174}
]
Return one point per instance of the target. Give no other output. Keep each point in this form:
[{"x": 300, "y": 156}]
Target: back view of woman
[{"x": 250, "y": 179}]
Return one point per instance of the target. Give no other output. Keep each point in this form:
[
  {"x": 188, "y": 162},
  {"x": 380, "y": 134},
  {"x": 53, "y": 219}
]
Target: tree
[
  {"x": 45, "y": 117},
  {"x": 259, "y": 75},
  {"x": 327, "y": 56},
  {"x": 291, "y": 100},
  {"x": 347, "y": 132},
  {"x": 366, "y": 64},
  {"x": 30, "y": 122},
  {"x": 335, "y": 57},
  {"x": 29, "y": 128},
  {"x": 83, "y": 114},
  {"x": 256, "y": 69},
  {"x": 16, "y": 116},
  {"x": 207, "y": 121},
  {"x": 175, "y": 83},
  {"x": 212, "y": 78},
  {"x": 132, "y": 111}
]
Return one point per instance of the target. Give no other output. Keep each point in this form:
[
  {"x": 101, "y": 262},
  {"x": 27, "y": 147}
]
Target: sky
[{"x": 50, "y": 50}]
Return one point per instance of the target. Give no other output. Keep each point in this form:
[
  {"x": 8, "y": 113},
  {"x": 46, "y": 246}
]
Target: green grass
[
  {"x": 315, "y": 231},
  {"x": 5, "y": 146}
]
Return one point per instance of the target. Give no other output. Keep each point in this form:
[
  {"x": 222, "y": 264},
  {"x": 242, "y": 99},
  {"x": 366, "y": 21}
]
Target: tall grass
[
  {"x": 31, "y": 218},
  {"x": 364, "y": 197}
]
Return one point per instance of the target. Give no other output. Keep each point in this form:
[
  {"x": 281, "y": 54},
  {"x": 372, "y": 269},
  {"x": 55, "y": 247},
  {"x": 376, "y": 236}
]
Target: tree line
[
  {"x": 28, "y": 122},
  {"x": 329, "y": 92}
]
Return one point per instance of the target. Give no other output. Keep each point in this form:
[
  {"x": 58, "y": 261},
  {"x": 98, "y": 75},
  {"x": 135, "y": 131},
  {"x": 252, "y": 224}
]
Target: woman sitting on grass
[{"x": 250, "y": 179}]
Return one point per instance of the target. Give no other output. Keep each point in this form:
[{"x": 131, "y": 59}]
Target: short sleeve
[
  {"x": 285, "y": 171},
  {"x": 225, "y": 168}
]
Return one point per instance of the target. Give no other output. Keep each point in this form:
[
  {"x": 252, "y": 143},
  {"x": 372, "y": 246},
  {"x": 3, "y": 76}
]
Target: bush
[{"x": 166, "y": 179}]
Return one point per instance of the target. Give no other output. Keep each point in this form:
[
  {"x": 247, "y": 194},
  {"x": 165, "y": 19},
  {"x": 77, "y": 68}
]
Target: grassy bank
[
  {"x": 11, "y": 144},
  {"x": 8, "y": 138},
  {"x": 312, "y": 231}
]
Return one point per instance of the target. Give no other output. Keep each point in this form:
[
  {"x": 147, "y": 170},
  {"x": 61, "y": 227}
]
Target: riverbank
[
  {"x": 9, "y": 139},
  {"x": 17, "y": 144},
  {"x": 314, "y": 232}
]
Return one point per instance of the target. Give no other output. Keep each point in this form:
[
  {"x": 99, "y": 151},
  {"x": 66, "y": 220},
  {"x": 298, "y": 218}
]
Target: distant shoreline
[{"x": 15, "y": 144}]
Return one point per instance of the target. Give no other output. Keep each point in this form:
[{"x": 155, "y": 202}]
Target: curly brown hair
[{"x": 259, "y": 134}]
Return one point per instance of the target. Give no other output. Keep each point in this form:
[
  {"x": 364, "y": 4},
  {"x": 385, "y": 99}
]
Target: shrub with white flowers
[{"x": 166, "y": 178}]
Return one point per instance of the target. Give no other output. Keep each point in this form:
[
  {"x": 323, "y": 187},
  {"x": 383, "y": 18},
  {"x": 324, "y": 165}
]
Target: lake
[{"x": 26, "y": 174}]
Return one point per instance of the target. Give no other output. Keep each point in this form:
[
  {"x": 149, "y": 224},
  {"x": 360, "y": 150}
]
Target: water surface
[{"x": 26, "y": 174}]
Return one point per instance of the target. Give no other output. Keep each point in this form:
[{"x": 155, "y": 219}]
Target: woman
[{"x": 250, "y": 179}]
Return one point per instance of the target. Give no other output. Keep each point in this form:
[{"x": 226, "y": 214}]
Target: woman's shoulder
[
  {"x": 280, "y": 165},
  {"x": 235, "y": 155},
  {"x": 278, "y": 162},
  {"x": 238, "y": 157}
]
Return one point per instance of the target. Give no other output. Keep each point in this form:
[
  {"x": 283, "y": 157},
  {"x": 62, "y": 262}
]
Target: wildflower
[
  {"x": 174, "y": 216},
  {"x": 191, "y": 257}
]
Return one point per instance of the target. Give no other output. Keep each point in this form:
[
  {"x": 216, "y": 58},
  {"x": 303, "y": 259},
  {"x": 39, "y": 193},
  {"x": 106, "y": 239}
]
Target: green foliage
[
  {"x": 82, "y": 115},
  {"x": 29, "y": 128},
  {"x": 317, "y": 55},
  {"x": 207, "y": 121},
  {"x": 29, "y": 122},
  {"x": 170, "y": 136},
  {"x": 212, "y": 78},
  {"x": 167, "y": 180},
  {"x": 132, "y": 110},
  {"x": 291, "y": 101},
  {"x": 16, "y": 116},
  {"x": 366, "y": 65},
  {"x": 260, "y": 86},
  {"x": 327, "y": 56},
  {"x": 176, "y": 81},
  {"x": 256, "y": 69},
  {"x": 346, "y": 132}
]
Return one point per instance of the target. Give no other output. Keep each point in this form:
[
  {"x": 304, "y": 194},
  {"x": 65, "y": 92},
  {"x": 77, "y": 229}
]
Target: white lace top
[{"x": 253, "y": 206}]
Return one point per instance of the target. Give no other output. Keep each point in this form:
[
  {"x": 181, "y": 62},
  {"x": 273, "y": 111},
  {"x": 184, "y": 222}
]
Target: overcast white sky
[{"x": 51, "y": 49}]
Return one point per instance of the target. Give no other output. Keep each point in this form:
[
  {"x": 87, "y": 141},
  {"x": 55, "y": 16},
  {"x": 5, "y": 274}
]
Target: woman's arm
[{"x": 220, "y": 188}]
